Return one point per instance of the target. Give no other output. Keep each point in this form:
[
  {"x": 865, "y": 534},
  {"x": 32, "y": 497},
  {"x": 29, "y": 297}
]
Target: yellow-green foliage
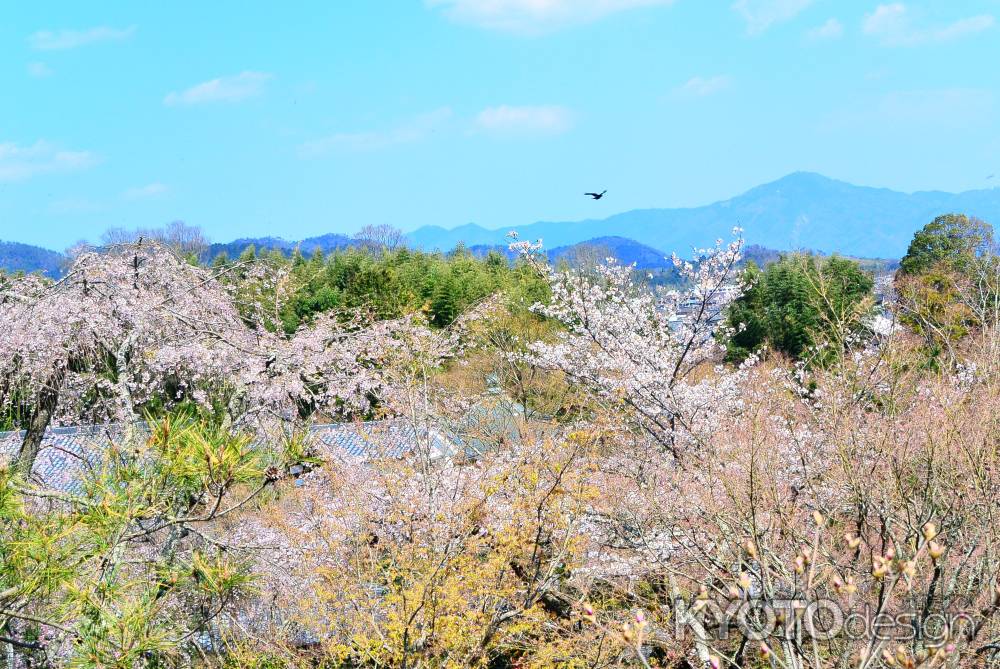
[
  {"x": 389, "y": 283},
  {"x": 125, "y": 571}
]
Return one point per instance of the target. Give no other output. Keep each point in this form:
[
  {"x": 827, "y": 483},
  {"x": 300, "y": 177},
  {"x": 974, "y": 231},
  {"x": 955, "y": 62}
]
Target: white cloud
[
  {"x": 39, "y": 70},
  {"x": 699, "y": 87},
  {"x": 892, "y": 25},
  {"x": 534, "y": 16},
  {"x": 54, "y": 40},
  {"x": 507, "y": 119},
  {"x": 18, "y": 163},
  {"x": 145, "y": 192},
  {"x": 224, "y": 89},
  {"x": 762, "y": 14},
  {"x": 411, "y": 131},
  {"x": 832, "y": 29}
]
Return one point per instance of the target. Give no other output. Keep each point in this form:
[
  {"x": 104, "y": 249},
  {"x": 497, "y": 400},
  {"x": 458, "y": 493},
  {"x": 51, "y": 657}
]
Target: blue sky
[{"x": 295, "y": 119}]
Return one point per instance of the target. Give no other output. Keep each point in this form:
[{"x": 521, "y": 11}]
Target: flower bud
[
  {"x": 935, "y": 549},
  {"x": 627, "y": 633},
  {"x": 929, "y": 531},
  {"x": 818, "y": 519},
  {"x": 765, "y": 652},
  {"x": 640, "y": 617},
  {"x": 751, "y": 548},
  {"x": 714, "y": 662},
  {"x": 901, "y": 655},
  {"x": 744, "y": 580},
  {"x": 852, "y": 541}
]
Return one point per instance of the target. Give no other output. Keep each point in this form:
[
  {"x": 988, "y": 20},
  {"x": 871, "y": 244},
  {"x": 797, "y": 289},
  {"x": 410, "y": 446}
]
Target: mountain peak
[
  {"x": 802, "y": 176},
  {"x": 799, "y": 210},
  {"x": 803, "y": 182}
]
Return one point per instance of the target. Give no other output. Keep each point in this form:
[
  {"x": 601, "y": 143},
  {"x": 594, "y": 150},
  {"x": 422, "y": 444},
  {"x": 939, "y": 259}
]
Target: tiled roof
[
  {"x": 68, "y": 452},
  {"x": 386, "y": 438},
  {"x": 495, "y": 420}
]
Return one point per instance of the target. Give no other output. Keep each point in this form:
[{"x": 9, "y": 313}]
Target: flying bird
[
  {"x": 990, "y": 176},
  {"x": 597, "y": 196}
]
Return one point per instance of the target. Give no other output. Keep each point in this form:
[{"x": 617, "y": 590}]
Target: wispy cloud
[
  {"x": 413, "y": 130},
  {"x": 508, "y": 119},
  {"x": 145, "y": 192},
  {"x": 18, "y": 163},
  {"x": 236, "y": 88},
  {"x": 762, "y": 14},
  {"x": 534, "y": 16},
  {"x": 39, "y": 70},
  {"x": 893, "y": 26},
  {"x": 832, "y": 29},
  {"x": 55, "y": 40},
  {"x": 699, "y": 87}
]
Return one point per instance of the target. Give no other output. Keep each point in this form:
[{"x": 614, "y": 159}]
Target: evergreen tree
[
  {"x": 445, "y": 301},
  {"x": 797, "y": 304},
  {"x": 954, "y": 240},
  {"x": 220, "y": 260}
]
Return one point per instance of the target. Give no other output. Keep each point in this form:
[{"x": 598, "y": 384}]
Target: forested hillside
[{"x": 16, "y": 257}]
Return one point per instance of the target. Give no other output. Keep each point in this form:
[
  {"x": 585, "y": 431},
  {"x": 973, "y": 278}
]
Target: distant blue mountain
[
  {"x": 625, "y": 251},
  {"x": 802, "y": 210},
  {"x": 16, "y": 257}
]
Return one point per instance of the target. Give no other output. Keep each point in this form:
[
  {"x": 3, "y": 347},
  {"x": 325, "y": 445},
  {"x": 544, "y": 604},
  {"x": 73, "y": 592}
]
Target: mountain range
[
  {"x": 626, "y": 251},
  {"x": 803, "y": 210}
]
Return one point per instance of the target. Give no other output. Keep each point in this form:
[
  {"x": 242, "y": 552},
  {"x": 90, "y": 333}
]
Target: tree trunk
[{"x": 45, "y": 408}]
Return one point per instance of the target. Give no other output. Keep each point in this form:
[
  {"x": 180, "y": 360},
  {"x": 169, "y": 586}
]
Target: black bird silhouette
[
  {"x": 597, "y": 196},
  {"x": 990, "y": 176}
]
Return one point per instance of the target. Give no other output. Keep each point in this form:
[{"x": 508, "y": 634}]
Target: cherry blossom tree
[
  {"x": 135, "y": 327},
  {"x": 654, "y": 352},
  {"x": 346, "y": 365},
  {"x": 863, "y": 490},
  {"x": 122, "y": 327}
]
